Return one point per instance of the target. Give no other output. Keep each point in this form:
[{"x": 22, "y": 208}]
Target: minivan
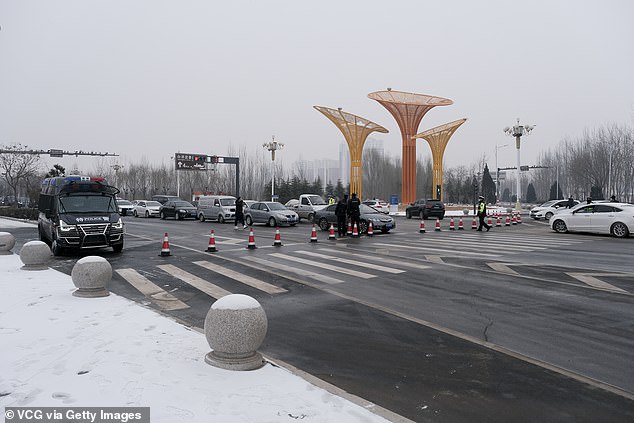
[
  {"x": 164, "y": 198},
  {"x": 216, "y": 207}
]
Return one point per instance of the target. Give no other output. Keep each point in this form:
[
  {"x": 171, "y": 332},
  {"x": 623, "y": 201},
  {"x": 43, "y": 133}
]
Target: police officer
[
  {"x": 482, "y": 213},
  {"x": 354, "y": 210},
  {"x": 341, "y": 213}
]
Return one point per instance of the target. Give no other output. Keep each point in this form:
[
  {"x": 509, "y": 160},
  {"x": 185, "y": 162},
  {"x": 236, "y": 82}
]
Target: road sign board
[{"x": 186, "y": 161}]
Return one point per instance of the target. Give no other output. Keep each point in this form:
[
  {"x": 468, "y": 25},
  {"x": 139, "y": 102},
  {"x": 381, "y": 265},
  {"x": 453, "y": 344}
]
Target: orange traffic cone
[
  {"x": 489, "y": 221},
  {"x": 514, "y": 220},
  {"x": 313, "y": 234},
  {"x": 212, "y": 243},
  {"x": 460, "y": 225},
  {"x": 508, "y": 221},
  {"x": 165, "y": 250},
  {"x": 331, "y": 233},
  {"x": 422, "y": 226},
  {"x": 370, "y": 229},
  {"x": 452, "y": 227},
  {"x": 349, "y": 231},
  {"x": 355, "y": 230},
  {"x": 437, "y": 225},
  {"x": 519, "y": 218},
  {"x": 277, "y": 242},
  {"x": 251, "y": 244},
  {"x": 498, "y": 222},
  {"x": 474, "y": 224}
]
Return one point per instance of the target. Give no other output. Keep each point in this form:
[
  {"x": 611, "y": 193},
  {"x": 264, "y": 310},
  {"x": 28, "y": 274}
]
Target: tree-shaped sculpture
[
  {"x": 355, "y": 130},
  {"x": 438, "y": 138},
  {"x": 408, "y": 109}
]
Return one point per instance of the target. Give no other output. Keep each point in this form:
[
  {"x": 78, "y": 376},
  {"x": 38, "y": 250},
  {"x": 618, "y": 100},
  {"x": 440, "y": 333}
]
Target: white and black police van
[{"x": 79, "y": 212}]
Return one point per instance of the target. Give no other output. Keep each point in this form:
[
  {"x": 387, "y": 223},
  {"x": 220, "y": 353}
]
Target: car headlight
[
  {"x": 181, "y": 211},
  {"x": 118, "y": 225},
  {"x": 64, "y": 227}
]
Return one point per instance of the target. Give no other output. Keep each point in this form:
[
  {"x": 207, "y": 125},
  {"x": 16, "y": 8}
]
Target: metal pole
[
  {"x": 178, "y": 184},
  {"x": 273, "y": 182},
  {"x": 517, "y": 144}
]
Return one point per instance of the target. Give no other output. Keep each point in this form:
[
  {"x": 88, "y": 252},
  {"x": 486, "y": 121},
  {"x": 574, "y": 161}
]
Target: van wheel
[
  {"x": 221, "y": 219},
  {"x": 117, "y": 248},
  {"x": 311, "y": 217},
  {"x": 201, "y": 217},
  {"x": 56, "y": 249}
]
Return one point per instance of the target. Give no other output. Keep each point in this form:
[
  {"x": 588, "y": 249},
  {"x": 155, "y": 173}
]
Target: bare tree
[{"x": 17, "y": 167}]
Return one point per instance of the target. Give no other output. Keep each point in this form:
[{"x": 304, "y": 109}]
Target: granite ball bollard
[
  {"x": 235, "y": 327},
  {"x": 7, "y": 242},
  {"x": 91, "y": 275},
  {"x": 35, "y": 255}
]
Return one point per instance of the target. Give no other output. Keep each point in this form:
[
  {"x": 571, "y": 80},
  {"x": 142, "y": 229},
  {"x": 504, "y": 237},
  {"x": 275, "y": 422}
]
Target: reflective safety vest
[{"x": 482, "y": 208}]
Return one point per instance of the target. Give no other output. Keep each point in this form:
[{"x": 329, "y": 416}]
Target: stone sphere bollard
[
  {"x": 35, "y": 255},
  {"x": 7, "y": 242},
  {"x": 91, "y": 276},
  {"x": 235, "y": 327}
]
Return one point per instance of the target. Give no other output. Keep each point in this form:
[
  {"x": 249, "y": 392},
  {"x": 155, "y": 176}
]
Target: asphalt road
[{"x": 518, "y": 324}]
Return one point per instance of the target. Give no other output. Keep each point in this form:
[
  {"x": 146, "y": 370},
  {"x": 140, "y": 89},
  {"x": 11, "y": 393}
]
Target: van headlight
[
  {"x": 65, "y": 227},
  {"x": 118, "y": 225}
]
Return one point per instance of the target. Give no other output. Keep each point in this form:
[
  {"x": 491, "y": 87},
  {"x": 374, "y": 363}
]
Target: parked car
[
  {"x": 380, "y": 222},
  {"x": 146, "y": 208},
  {"x": 164, "y": 198},
  {"x": 379, "y": 205},
  {"x": 546, "y": 210},
  {"x": 426, "y": 209},
  {"x": 216, "y": 207},
  {"x": 178, "y": 209},
  {"x": 125, "y": 207},
  {"x": 616, "y": 219},
  {"x": 270, "y": 213}
]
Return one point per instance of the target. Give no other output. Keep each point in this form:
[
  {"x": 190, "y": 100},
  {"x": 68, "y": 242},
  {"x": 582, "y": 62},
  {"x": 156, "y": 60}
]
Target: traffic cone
[
  {"x": 519, "y": 218},
  {"x": 508, "y": 221},
  {"x": 452, "y": 227},
  {"x": 514, "y": 220},
  {"x": 313, "y": 234},
  {"x": 355, "y": 230},
  {"x": 460, "y": 225},
  {"x": 331, "y": 233},
  {"x": 489, "y": 221},
  {"x": 498, "y": 222},
  {"x": 165, "y": 250},
  {"x": 370, "y": 229},
  {"x": 349, "y": 231},
  {"x": 212, "y": 243},
  {"x": 277, "y": 242},
  {"x": 251, "y": 244},
  {"x": 422, "y": 226},
  {"x": 437, "y": 225},
  {"x": 474, "y": 224}
]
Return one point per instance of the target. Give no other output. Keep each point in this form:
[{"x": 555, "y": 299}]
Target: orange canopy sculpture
[
  {"x": 408, "y": 109},
  {"x": 355, "y": 130}
]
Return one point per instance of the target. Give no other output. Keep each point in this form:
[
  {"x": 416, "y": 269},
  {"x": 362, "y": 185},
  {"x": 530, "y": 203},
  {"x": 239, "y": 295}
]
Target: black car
[
  {"x": 178, "y": 209},
  {"x": 426, "y": 209},
  {"x": 380, "y": 221}
]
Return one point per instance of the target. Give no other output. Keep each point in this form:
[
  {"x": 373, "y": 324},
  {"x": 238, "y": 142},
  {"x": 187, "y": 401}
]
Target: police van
[{"x": 78, "y": 213}]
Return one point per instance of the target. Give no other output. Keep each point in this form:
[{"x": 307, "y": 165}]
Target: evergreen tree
[
  {"x": 56, "y": 170},
  {"x": 488, "y": 186},
  {"x": 506, "y": 195},
  {"x": 531, "y": 196},
  {"x": 555, "y": 192},
  {"x": 596, "y": 193},
  {"x": 339, "y": 190}
]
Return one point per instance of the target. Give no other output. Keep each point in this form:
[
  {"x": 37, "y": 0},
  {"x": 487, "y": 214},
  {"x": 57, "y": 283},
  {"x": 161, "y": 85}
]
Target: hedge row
[{"x": 19, "y": 213}]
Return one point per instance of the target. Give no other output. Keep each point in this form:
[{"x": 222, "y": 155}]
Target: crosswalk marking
[
  {"x": 352, "y": 262},
  {"x": 324, "y": 266},
  {"x": 159, "y": 296},
  {"x": 245, "y": 279},
  {"x": 295, "y": 270},
  {"x": 383, "y": 259},
  {"x": 193, "y": 280},
  {"x": 435, "y": 259},
  {"x": 432, "y": 248}
]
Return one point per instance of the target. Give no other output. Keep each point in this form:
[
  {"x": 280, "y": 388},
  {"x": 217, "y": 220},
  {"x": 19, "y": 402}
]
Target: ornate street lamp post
[
  {"x": 518, "y": 131},
  {"x": 273, "y": 146},
  {"x": 497, "y": 174}
]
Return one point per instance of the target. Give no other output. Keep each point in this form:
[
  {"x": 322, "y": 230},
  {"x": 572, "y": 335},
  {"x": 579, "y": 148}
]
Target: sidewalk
[{"x": 62, "y": 351}]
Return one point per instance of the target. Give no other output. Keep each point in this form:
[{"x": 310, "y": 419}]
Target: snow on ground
[{"x": 64, "y": 351}]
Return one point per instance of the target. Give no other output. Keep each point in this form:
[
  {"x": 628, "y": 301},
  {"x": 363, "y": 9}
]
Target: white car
[
  {"x": 546, "y": 210},
  {"x": 125, "y": 207},
  {"x": 379, "y": 205},
  {"x": 146, "y": 208},
  {"x": 616, "y": 219}
]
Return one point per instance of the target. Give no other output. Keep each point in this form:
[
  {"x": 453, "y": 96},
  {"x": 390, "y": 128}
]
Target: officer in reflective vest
[{"x": 482, "y": 214}]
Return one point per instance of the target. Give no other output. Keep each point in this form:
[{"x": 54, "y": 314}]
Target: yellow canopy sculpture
[
  {"x": 408, "y": 109},
  {"x": 438, "y": 138},
  {"x": 355, "y": 130}
]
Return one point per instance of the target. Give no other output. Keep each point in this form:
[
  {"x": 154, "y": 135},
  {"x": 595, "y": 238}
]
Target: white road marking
[
  {"x": 435, "y": 259},
  {"x": 353, "y": 262},
  {"x": 434, "y": 249},
  {"x": 383, "y": 259},
  {"x": 589, "y": 279},
  {"x": 502, "y": 268},
  {"x": 245, "y": 279},
  {"x": 301, "y": 272},
  {"x": 159, "y": 296},
  {"x": 208, "y": 288},
  {"x": 325, "y": 266}
]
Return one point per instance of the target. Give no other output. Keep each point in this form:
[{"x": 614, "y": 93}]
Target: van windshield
[
  {"x": 316, "y": 200},
  {"x": 86, "y": 204},
  {"x": 227, "y": 201}
]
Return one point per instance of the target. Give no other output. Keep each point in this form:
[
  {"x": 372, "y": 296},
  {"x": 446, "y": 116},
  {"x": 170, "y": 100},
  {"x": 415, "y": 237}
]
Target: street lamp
[
  {"x": 273, "y": 146},
  {"x": 518, "y": 131},
  {"x": 117, "y": 167},
  {"x": 497, "y": 173}
]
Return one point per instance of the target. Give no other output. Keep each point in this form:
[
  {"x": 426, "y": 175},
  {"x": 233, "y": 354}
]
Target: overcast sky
[{"x": 150, "y": 77}]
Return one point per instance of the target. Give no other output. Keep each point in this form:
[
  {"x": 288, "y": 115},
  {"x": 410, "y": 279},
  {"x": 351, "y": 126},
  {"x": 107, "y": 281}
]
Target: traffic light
[{"x": 437, "y": 192}]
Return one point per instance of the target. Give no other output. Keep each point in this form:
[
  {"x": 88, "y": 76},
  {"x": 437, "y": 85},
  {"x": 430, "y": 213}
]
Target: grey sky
[{"x": 149, "y": 78}]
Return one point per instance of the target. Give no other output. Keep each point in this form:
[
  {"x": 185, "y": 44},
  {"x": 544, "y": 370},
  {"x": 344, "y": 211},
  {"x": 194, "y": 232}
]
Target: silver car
[{"x": 270, "y": 213}]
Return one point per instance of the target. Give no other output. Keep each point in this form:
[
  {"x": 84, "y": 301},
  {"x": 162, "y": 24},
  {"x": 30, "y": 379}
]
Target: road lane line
[
  {"x": 207, "y": 287},
  {"x": 325, "y": 266},
  {"x": 242, "y": 278},
  {"x": 353, "y": 262},
  {"x": 159, "y": 296}
]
